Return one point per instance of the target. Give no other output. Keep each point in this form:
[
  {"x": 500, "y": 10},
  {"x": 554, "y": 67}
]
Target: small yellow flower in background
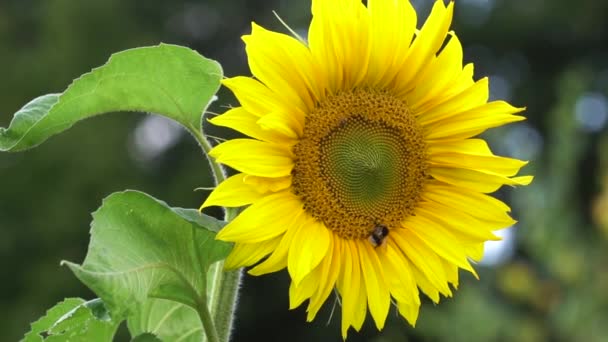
[{"x": 362, "y": 173}]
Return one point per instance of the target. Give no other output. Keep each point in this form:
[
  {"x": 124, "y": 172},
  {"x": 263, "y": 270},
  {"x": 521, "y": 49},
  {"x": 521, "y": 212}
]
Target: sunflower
[{"x": 361, "y": 173}]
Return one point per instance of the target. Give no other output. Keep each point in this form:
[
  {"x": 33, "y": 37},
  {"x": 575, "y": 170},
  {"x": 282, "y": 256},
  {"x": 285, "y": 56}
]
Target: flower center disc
[{"x": 360, "y": 163}]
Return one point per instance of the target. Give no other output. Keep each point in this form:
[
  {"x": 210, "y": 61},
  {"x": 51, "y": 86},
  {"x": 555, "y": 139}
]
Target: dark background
[{"x": 548, "y": 280}]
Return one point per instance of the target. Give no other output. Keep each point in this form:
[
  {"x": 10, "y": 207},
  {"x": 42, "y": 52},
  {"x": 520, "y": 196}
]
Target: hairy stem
[
  {"x": 222, "y": 290},
  {"x": 216, "y": 169},
  {"x": 208, "y": 323}
]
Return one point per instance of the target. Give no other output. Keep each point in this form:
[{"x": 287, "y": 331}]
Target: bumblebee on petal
[{"x": 378, "y": 235}]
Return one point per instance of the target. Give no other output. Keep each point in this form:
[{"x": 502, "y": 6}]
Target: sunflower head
[
  {"x": 361, "y": 172},
  {"x": 361, "y": 162}
]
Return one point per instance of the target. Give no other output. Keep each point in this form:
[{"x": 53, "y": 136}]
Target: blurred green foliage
[{"x": 551, "y": 56}]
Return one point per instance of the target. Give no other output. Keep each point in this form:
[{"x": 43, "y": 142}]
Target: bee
[{"x": 378, "y": 235}]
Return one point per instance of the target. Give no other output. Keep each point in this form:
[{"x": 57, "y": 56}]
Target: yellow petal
[
  {"x": 425, "y": 45},
  {"x": 439, "y": 240},
  {"x": 398, "y": 274},
  {"x": 423, "y": 258},
  {"x": 258, "y": 100},
  {"x": 441, "y": 74},
  {"x": 425, "y": 285},
  {"x": 463, "y": 81},
  {"x": 255, "y": 157},
  {"x": 266, "y": 184},
  {"x": 358, "y": 293},
  {"x": 283, "y": 64},
  {"x": 247, "y": 254},
  {"x": 378, "y": 296},
  {"x": 298, "y": 293},
  {"x": 451, "y": 272},
  {"x": 329, "y": 270},
  {"x": 360, "y": 308},
  {"x": 473, "y": 122},
  {"x": 344, "y": 278},
  {"x": 309, "y": 246},
  {"x": 475, "y": 251},
  {"x": 460, "y": 223},
  {"x": 264, "y": 219},
  {"x": 278, "y": 259},
  {"x": 482, "y": 206},
  {"x": 318, "y": 35},
  {"x": 282, "y": 123},
  {"x": 242, "y": 121},
  {"x": 472, "y": 97},
  {"x": 409, "y": 312},
  {"x": 475, "y": 180},
  {"x": 472, "y": 154},
  {"x": 343, "y": 60},
  {"x": 500, "y": 165},
  {"x": 470, "y": 146},
  {"x": 233, "y": 192},
  {"x": 350, "y": 286},
  {"x": 392, "y": 26}
]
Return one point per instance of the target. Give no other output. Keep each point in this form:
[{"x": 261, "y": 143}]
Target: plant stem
[
  {"x": 208, "y": 324},
  {"x": 226, "y": 302},
  {"x": 216, "y": 169},
  {"x": 222, "y": 291}
]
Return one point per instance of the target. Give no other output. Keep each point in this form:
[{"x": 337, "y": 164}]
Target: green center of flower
[
  {"x": 361, "y": 160},
  {"x": 360, "y": 163}
]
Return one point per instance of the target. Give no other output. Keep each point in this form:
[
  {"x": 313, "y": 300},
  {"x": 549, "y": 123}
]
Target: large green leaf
[
  {"x": 169, "y": 321},
  {"x": 146, "y": 337},
  {"x": 74, "y": 320},
  {"x": 169, "y": 80},
  {"x": 141, "y": 248}
]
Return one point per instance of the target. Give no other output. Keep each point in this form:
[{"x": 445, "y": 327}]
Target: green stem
[
  {"x": 208, "y": 324},
  {"x": 225, "y": 303},
  {"x": 222, "y": 292},
  {"x": 216, "y": 169}
]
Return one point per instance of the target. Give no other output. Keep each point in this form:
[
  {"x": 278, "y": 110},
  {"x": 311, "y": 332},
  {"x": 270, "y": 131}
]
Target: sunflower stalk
[
  {"x": 222, "y": 290},
  {"x": 211, "y": 334}
]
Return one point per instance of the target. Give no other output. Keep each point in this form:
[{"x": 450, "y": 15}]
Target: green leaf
[
  {"x": 141, "y": 248},
  {"x": 194, "y": 216},
  {"x": 169, "y": 80},
  {"x": 146, "y": 337},
  {"x": 52, "y": 315},
  {"x": 169, "y": 321},
  {"x": 74, "y": 320},
  {"x": 98, "y": 309}
]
